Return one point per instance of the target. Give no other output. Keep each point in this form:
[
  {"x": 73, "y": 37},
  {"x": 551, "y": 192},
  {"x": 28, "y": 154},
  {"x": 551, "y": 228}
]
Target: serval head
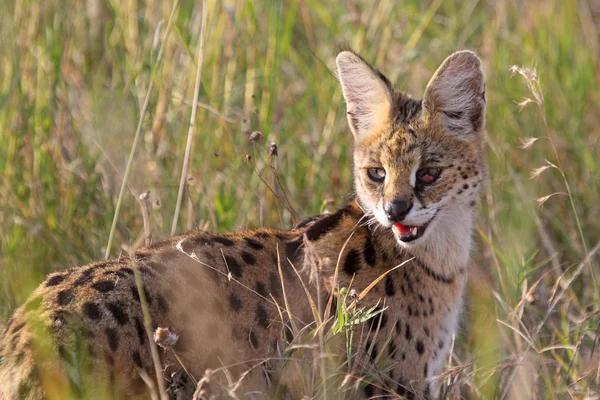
[{"x": 418, "y": 165}]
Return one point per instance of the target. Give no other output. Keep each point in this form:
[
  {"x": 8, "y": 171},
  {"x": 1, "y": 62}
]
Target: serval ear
[
  {"x": 455, "y": 96},
  {"x": 367, "y": 93}
]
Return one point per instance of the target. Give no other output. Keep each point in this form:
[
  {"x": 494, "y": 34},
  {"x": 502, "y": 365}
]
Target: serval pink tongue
[{"x": 404, "y": 230}]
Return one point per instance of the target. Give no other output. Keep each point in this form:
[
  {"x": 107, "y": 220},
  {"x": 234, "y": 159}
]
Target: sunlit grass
[{"x": 74, "y": 74}]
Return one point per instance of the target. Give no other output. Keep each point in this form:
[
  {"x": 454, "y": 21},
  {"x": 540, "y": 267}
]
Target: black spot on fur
[
  {"x": 281, "y": 235},
  {"x": 113, "y": 338},
  {"x": 54, "y": 280},
  {"x": 64, "y": 297},
  {"x": 223, "y": 241},
  {"x": 420, "y": 347},
  {"x": 253, "y": 244},
  {"x": 352, "y": 262},
  {"x": 92, "y": 311},
  {"x": 401, "y": 390},
  {"x": 275, "y": 285},
  {"x": 262, "y": 316},
  {"x": 234, "y": 266},
  {"x": 137, "y": 359},
  {"x": 234, "y": 302},
  {"x": 425, "y": 370},
  {"x": 135, "y": 293},
  {"x": 434, "y": 275},
  {"x": 85, "y": 277},
  {"x": 398, "y": 326},
  {"x": 392, "y": 348},
  {"x": 117, "y": 272},
  {"x": 441, "y": 344},
  {"x": 139, "y": 328},
  {"x": 248, "y": 258},
  {"x": 369, "y": 253},
  {"x": 390, "y": 289},
  {"x": 260, "y": 289},
  {"x": 371, "y": 349},
  {"x": 104, "y": 286},
  {"x": 324, "y": 225},
  {"x": 410, "y": 310},
  {"x": 379, "y": 321},
  {"x": 306, "y": 222},
  {"x": 253, "y": 340},
  {"x": 465, "y": 186},
  {"x": 289, "y": 335},
  {"x": 292, "y": 250},
  {"x": 118, "y": 312},
  {"x": 408, "y": 333}
]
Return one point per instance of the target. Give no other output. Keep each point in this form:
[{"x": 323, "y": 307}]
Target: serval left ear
[
  {"x": 455, "y": 96},
  {"x": 367, "y": 93}
]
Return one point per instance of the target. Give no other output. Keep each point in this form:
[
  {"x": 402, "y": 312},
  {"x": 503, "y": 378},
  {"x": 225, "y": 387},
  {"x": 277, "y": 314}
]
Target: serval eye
[
  {"x": 376, "y": 174},
  {"x": 428, "y": 175}
]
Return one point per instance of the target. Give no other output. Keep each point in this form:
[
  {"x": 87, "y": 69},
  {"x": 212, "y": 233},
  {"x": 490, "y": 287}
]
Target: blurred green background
[{"x": 74, "y": 75}]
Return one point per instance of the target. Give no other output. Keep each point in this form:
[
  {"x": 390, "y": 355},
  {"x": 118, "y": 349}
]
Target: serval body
[{"x": 235, "y": 299}]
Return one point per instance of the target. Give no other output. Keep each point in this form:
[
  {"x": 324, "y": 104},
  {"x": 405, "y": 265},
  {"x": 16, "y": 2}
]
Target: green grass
[{"x": 73, "y": 76}]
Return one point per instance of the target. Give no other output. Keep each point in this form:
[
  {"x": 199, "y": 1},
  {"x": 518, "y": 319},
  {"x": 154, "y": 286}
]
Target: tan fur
[{"x": 224, "y": 296}]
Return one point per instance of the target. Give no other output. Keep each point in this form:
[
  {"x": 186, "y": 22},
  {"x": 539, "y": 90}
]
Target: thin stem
[
  {"x": 138, "y": 131},
  {"x": 572, "y": 203},
  {"x": 190, "y": 136}
]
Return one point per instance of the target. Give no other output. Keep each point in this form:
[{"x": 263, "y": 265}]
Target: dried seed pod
[
  {"x": 273, "y": 152},
  {"x": 165, "y": 338},
  {"x": 145, "y": 195},
  {"x": 255, "y": 136}
]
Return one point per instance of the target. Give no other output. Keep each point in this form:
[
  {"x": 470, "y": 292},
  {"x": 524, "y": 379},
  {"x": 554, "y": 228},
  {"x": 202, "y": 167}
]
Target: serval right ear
[
  {"x": 367, "y": 93},
  {"x": 455, "y": 96}
]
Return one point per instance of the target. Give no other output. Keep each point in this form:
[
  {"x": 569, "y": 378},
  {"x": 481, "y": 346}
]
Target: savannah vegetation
[{"x": 78, "y": 79}]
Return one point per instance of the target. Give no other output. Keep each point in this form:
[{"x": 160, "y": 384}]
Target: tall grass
[{"x": 74, "y": 75}]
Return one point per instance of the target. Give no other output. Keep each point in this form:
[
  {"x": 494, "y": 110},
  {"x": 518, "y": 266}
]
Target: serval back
[{"x": 237, "y": 299}]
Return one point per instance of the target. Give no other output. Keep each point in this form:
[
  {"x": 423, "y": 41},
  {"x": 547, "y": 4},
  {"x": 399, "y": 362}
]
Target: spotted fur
[{"x": 234, "y": 298}]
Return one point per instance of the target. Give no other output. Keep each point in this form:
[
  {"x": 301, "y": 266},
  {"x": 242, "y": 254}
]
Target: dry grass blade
[
  {"x": 376, "y": 281},
  {"x": 295, "y": 329},
  {"x": 149, "y": 334},
  {"x": 335, "y": 275}
]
